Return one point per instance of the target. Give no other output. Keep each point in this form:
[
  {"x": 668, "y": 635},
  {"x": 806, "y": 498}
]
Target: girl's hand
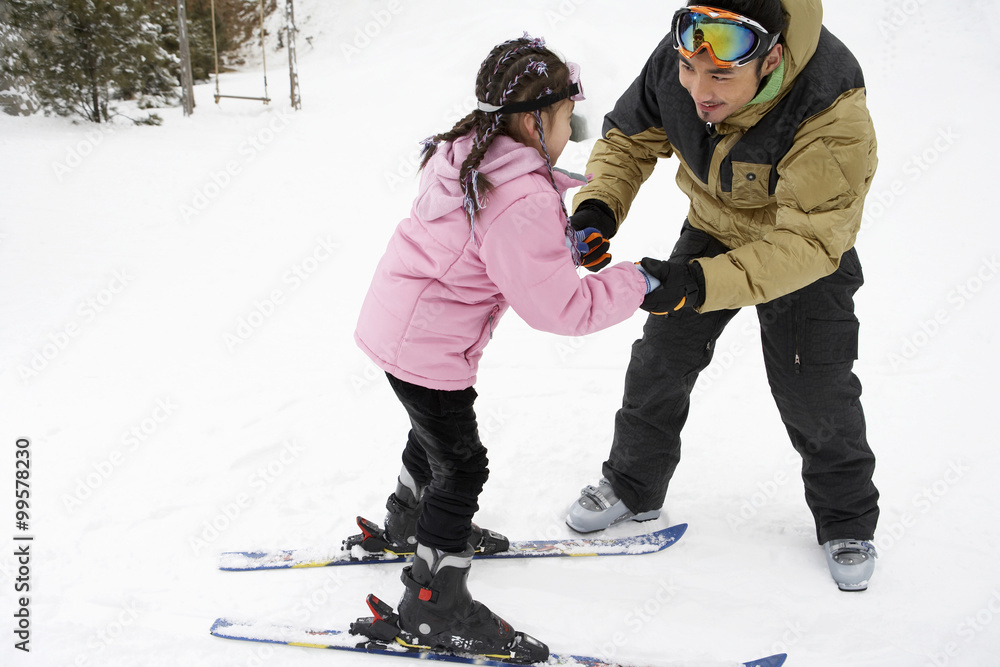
[
  {"x": 593, "y": 216},
  {"x": 593, "y": 248}
]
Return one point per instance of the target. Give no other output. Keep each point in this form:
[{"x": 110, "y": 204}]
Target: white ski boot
[
  {"x": 598, "y": 507},
  {"x": 851, "y": 562}
]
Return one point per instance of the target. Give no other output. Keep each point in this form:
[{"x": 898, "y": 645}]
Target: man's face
[{"x": 719, "y": 92}]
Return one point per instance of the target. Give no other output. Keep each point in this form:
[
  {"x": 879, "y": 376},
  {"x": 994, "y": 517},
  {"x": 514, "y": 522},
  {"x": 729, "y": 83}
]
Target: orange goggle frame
[{"x": 730, "y": 39}]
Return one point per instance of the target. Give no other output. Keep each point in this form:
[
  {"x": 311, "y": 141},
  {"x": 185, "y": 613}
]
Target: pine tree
[
  {"x": 151, "y": 72},
  {"x": 16, "y": 97},
  {"x": 82, "y": 54}
]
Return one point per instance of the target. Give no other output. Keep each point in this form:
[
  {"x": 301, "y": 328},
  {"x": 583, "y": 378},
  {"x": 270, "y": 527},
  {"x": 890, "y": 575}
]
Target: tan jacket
[{"x": 780, "y": 182}]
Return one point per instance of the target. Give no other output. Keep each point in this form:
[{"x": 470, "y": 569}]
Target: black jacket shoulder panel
[{"x": 656, "y": 99}]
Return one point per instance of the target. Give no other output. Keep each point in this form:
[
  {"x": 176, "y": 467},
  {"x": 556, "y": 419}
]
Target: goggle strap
[
  {"x": 530, "y": 105},
  {"x": 712, "y": 12}
]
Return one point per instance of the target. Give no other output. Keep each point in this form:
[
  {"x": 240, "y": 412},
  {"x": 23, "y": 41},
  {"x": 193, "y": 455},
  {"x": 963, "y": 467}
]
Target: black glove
[
  {"x": 593, "y": 216},
  {"x": 681, "y": 286}
]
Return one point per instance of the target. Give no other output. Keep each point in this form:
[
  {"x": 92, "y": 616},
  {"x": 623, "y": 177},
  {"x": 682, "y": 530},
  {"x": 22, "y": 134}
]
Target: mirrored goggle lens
[{"x": 730, "y": 41}]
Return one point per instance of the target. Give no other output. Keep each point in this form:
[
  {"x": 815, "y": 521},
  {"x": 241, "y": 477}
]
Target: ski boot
[
  {"x": 400, "y": 533},
  {"x": 851, "y": 562},
  {"x": 438, "y": 612},
  {"x": 598, "y": 507}
]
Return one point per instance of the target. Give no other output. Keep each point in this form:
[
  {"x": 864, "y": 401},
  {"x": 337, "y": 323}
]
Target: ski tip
[
  {"x": 220, "y": 624},
  {"x": 670, "y": 532},
  {"x": 771, "y": 661},
  {"x": 669, "y": 536}
]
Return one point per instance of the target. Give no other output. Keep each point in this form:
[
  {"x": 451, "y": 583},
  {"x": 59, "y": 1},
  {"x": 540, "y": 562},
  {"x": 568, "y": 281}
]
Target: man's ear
[{"x": 773, "y": 59}]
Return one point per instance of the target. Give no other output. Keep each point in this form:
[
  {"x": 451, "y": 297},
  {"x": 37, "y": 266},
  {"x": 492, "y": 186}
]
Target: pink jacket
[{"x": 440, "y": 290}]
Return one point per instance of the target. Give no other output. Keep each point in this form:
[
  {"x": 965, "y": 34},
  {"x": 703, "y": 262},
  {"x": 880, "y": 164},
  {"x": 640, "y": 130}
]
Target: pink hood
[{"x": 440, "y": 290}]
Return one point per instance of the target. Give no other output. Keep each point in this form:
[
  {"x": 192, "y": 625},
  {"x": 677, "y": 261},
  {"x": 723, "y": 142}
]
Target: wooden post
[
  {"x": 293, "y": 68},
  {"x": 187, "y": 78}
]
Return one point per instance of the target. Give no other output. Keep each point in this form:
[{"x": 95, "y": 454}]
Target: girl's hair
[{"x": 515, "y": 71}]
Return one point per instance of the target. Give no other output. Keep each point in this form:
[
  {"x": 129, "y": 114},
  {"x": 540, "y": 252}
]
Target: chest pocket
[{"x": 751, "y": 184}]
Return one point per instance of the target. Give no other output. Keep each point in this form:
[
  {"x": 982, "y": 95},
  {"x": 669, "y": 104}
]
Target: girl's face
[
  {"x": 558, "y": 128},
  {"x": 556, "y": 123}
]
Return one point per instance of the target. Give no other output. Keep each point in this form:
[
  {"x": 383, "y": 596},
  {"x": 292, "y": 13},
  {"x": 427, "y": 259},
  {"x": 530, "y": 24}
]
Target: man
[{"x": 765, "y": 109}]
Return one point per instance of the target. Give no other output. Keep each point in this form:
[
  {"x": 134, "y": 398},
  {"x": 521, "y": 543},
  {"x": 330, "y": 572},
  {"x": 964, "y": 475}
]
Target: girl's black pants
[{"x": 443, "y": 454}]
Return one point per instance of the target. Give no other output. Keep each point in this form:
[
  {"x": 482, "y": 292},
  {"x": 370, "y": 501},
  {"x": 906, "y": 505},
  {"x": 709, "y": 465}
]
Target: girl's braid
[
  {"x": 484, "y": 80},
  {"x": 510, "y": 68},
  {"x": 475, "y": 184},
  {"x": 523, "y": 58},
  {"x": 461, "y": 128},
  {"x": 521, "y": 45},
  {"x": 570, "y": 232}
]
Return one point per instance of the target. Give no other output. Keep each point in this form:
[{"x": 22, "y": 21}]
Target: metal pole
[
  {"x": 263, "y": 51},
  {"x": 215, "y": 50},
  {"x": 187, "y": 78},
  {"x": 293, "y": 68}
]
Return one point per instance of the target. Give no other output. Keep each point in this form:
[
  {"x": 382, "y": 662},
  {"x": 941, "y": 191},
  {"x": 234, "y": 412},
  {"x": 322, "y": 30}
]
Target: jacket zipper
[
  {"x": 491, "y": 318},
  {"x": 798, "y": 360},
  {"x": 488, "y": 327}
]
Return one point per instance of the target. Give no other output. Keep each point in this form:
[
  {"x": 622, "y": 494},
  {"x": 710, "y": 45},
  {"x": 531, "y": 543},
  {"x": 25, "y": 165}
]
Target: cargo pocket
[
  {"x": 751, "y": 183},
  {"x": 827, "y": 345}
]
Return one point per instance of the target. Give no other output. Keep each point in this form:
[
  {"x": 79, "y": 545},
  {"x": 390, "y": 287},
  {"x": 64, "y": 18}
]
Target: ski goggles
[
  {"x": 730, "y": 39},
  {"x": 574, "y": 91}
]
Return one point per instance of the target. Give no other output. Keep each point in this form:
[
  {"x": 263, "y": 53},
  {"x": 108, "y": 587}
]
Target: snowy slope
[{"x": 175, "y": 341}]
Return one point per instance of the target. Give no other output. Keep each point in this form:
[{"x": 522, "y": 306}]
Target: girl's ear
[{"x": 527, "y": 122}]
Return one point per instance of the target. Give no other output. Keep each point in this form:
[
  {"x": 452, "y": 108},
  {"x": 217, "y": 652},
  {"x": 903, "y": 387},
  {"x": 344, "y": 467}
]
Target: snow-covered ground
[{"x": 175, "y": 341}]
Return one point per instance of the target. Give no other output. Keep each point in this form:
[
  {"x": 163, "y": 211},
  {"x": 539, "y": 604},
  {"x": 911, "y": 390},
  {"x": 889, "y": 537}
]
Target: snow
[{"x": 176, "y": 344}]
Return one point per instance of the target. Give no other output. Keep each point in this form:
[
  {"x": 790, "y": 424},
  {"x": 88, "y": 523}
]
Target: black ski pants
[
  {"x": 443, "y": 453},
  {"x": 810, "y": 342}
]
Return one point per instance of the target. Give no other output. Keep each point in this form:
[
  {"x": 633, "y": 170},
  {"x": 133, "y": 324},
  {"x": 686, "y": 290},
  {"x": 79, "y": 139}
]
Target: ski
[
  {"x": 343, "y": 640},
  {"x": 356, "y": 555}
]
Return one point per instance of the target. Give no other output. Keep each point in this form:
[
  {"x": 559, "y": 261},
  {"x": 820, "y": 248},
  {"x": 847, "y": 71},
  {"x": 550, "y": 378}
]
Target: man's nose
[{"x": 701, "y": 89}]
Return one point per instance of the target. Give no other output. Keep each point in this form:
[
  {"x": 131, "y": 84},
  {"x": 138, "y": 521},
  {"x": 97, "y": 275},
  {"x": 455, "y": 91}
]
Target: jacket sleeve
[
  {"x": 823, "y": 181},
  {"x": 526, "y": 256},
  {"x": 633, "y": 140}
]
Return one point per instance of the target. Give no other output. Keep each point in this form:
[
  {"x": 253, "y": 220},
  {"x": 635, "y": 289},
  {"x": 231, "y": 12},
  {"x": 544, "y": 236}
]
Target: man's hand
[
  {"x": 681, "y": 286},
  {"x": 596, "y": 219}
]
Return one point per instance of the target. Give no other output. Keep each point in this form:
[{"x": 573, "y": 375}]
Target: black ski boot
[
  {"x": 437, "y": 611},
  {"x": 403, "y": 510},
  {"x": 400, "y": 533}
]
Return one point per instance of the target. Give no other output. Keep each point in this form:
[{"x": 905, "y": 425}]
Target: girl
[{"x": 487, "y": 230}]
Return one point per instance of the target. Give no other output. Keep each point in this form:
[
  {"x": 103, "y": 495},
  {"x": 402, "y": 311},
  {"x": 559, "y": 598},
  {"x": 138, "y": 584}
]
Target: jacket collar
[
  {"x": 800, "y": 39},
  {"x": 506, "y": 159}
]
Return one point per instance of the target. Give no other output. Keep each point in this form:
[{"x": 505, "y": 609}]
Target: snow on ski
[
  {"x": 344, "y": 641},
  {"x": 569, "y": 547}
]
